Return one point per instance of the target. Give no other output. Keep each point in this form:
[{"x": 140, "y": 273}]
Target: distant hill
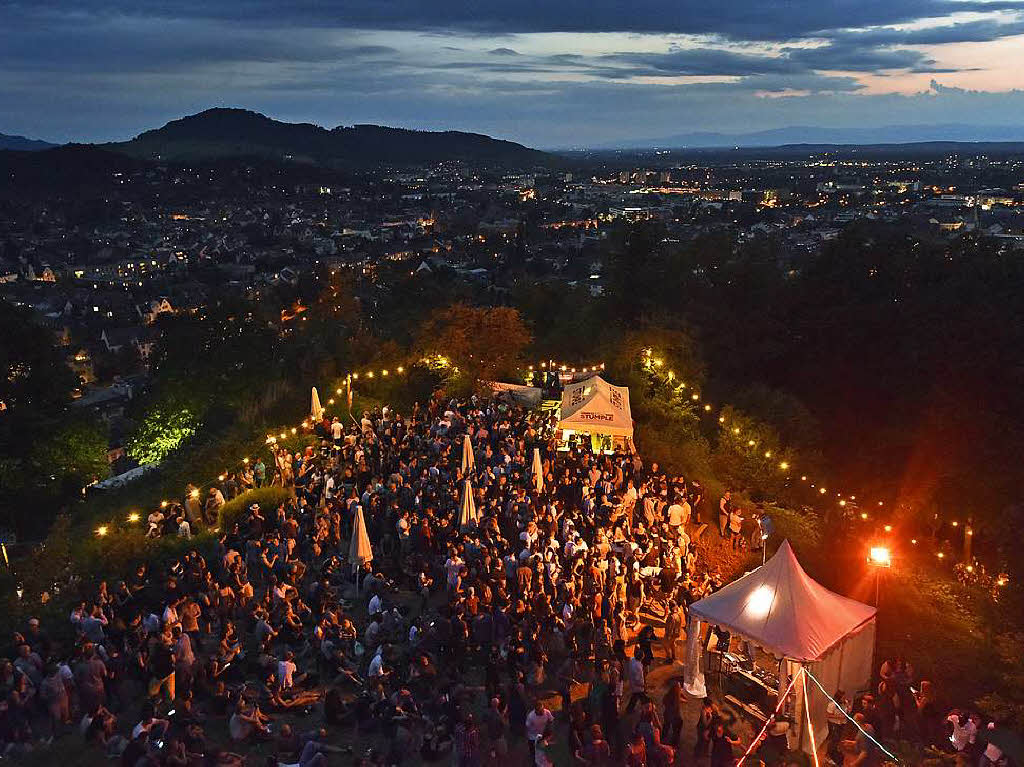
[
  {"x": 22, "y": 144},
  {"x": 804, "y": 134},
  {"x": 70, "y": 168},
  {"x": 218, "y": 133}
]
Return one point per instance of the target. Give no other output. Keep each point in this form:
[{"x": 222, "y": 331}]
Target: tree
[
  {"x": 481, "y": 343},
  {"x": 75, "y": 451},
  {"x": 33, "y": 377},
  {"x": 168, "y": 423}
]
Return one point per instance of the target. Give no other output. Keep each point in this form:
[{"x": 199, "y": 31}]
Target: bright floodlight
[
  {"x": 880, "y": 556},
  {"x": 760, "y": 601}
]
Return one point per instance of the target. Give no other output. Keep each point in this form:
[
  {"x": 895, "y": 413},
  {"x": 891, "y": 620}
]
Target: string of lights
[
  {"x": 563, "y": 367},
  {"x": 852, "y": 719},
  {"x": 810, "y": 724},
  {"x": 768, "y": 722},
  {"x": 134, "y": 517},
  {"x": 654, "y": 365}
]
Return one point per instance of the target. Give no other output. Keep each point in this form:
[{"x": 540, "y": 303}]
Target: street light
[{"x": 879, "y": 557}]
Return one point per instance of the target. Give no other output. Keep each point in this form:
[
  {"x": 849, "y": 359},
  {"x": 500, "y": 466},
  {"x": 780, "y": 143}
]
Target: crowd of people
[{"x": 455, "y": 642}]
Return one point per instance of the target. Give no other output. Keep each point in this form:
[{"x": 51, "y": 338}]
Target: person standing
[
  {"x": 676, "y": 517},
  {"x": 637, "y": 681},
  {"x": 672, "y": 707},
  {"x": 735, "y": 527},
  {"x": 467, "y": 743},
  {"x": 537, "y": 723},
  {"x": 673, "y": 630},
  {"x": 724, "y": 509},
  {"x": 89, "y": 679}
]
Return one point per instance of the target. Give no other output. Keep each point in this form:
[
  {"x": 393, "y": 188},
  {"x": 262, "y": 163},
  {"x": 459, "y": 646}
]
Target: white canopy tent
[
  {"x": 782, "y": 610},
  {"x": 596, "y": 407}
]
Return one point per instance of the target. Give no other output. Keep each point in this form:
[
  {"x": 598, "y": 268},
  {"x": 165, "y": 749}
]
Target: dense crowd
[{"x": 450, "y": 644}]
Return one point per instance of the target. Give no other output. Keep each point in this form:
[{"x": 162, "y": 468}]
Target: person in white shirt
[
  {"x": 375, "y": 606},
  {"x": 675, "y": 516},
  {"x": 286, "y": 669},
  {"x": 452, "y": 567},
  {"x": 155, "y": 520},
  {"x": 965, "y": 731},
  {"x": 687, "y": 511},
  {"x": 170, "y": 616},
  {"x": 537, "y": 723}
]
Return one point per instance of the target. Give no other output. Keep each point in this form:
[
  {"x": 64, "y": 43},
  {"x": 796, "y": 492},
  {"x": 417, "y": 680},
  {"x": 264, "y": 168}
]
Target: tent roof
[
  {"x": 781, "y": 608},
  {"x": 594, "y": 405}
]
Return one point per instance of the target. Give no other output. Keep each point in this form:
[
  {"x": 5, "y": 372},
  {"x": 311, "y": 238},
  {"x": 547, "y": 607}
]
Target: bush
[{"x": 269, "y": 498}]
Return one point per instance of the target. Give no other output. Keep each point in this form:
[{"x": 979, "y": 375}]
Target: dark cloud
[
  {"x": 706, "y": 62},
  {"x": 116, "y": 67},
  {"x": 737, "y": 19},
  {"x": 718, "y": 62},
  {"x": 848, "y": 57},
  {"x": 980, "y": 31}
]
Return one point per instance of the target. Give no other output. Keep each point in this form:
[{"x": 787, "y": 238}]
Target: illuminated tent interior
[
  {"x": 781, "y": 609},
  {"x": 597, "y": 408}
]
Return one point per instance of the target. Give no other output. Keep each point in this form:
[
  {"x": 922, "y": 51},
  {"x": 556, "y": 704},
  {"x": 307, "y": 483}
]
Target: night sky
[{"x": 549, "y": 74}]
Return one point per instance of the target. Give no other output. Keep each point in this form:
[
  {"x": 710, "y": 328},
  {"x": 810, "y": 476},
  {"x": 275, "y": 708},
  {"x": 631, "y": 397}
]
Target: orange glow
[{"x": 880, "y": 556}]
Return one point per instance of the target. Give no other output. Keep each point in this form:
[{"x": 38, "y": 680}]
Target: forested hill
[{"x": 218, "y": 133}]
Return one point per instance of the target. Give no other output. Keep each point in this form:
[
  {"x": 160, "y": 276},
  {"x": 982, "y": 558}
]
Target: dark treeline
[{"x": 909, "y": 353}]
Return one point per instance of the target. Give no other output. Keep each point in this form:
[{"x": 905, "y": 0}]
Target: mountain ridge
[
  {"x": 23, "y": 144},
  {"x": 225, "y": 132}
]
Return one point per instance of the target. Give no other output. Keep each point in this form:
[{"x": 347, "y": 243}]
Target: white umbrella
[
  {"x": 468, "y": 515},
  {"x": 468, "y": 459},
  {"x": 538, "y": 471},
  {"x": 315, "y": 409},
  {"x": 359, "y": 551}
]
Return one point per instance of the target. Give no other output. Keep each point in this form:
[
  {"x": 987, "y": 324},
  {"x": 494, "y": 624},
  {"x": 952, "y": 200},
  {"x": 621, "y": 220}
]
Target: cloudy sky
[{"x": 550, "y": 73}]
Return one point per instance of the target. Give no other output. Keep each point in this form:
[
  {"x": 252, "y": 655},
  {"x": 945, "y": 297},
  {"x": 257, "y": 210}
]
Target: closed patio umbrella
[
  {"x": 468, "y": 515},
  {"x": 315, "y": 410},
  {"x": 538, "y": 471},
  {"x": 468, "y": 459},
  {"x": 359, "y": 551}
]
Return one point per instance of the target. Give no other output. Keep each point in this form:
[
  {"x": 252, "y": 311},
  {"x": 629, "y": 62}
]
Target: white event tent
[
  {"x": 781, "y": 609},
  {"x": 596, "y": 407}
]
